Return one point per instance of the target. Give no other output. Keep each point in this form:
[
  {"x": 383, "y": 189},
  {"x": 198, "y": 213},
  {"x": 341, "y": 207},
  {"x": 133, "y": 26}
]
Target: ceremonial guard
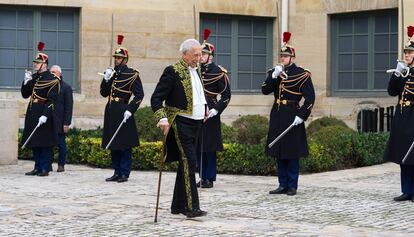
[
  {"x": 120, "y": 132},
  {"x": 401, "y": 137},
  {"x": 40, "y": 133},
  {"x": 217, "y": 91},
  {"x": 289, "y": 83},
  {"x": 180, "y": 89}
]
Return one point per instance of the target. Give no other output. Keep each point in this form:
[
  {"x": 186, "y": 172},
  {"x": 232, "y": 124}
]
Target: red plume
[
  {"x": 286, "y": 37},
  {"x": 40, "y": 46},
  {"x": 410, "y": 31},
  {"x": 120, "y": 39},
  {"x": 206, "y": 34}
]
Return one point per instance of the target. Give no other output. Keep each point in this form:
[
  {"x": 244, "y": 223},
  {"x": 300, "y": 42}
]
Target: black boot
[
  {"x": 114, "y": 177},
  {"x": 403, "y": 197},
  {"x": 279, "y": 190},
  {"x": 33, "y": 172},
  {"x": 195, "y": 213},
  {"x": 122, "y": 178},
  {"x": 43, "y": 173}
]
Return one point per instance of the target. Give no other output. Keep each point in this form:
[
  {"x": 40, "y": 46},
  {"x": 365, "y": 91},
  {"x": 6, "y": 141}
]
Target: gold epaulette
[
  {"x": 222, "y": 68},
  {"x": 136, "y": 70}
]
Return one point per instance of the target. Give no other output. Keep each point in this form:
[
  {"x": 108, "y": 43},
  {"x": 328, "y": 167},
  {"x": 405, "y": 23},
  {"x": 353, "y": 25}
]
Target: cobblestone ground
[{"x": 79, "y": 202}]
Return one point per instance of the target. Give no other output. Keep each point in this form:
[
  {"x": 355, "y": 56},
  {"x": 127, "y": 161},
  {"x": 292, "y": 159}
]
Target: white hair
[
  {"x": 58, "y": 68},
  {"x": 188, "y": 44}
]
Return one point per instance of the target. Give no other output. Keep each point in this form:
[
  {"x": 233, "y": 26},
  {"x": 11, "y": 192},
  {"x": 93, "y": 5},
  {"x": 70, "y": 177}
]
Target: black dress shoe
[
  {"x": 207, "y": 184},
  {"x": 122, "y": 178},
  {"x": 33, "y": 172},
  {"x": 195, "y": 213},
  {"x": 178, "y": 211},
  {"x": 279, "y": 190},
  {"x": 403, "y": 197},
  {"x": 43, "y": 173},
  {"x": 60, "y": 169},
  {"x": 291, "y": 192},
  {"x": 113, "y": 178}
]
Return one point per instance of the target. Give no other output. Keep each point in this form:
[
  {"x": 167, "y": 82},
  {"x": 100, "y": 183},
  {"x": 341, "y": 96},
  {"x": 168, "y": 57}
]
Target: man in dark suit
[
  {"x": 179, "y": 105},
  {"x": 64, "y": 107}
]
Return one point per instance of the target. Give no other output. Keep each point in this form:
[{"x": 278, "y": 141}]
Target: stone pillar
[{"x": 9, "y": 127}]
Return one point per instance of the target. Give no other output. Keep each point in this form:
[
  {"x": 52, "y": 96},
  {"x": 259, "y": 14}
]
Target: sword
[
  {"x": 116, "y": 132},
  {"x": 281, "y": 135},
  {"x": 28, "y": 139},
  {"x": 408, "y": 152}
]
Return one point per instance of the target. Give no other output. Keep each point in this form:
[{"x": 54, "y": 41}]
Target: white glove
[
  {"x": 277, "y": 71},
  {"x": 127, "y": 115},
  {"x": 401, "y": 68},
  {"x": 297, "y": 121},
  {"x": 109, "y": 72},
  {"x": 212, "y": 113},
  {"x": 42, "y": 120},
  {"x": 27, "y": 76}
]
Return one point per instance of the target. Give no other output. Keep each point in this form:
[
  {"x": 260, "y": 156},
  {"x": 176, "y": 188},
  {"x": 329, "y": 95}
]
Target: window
[
  {"x": 20, "y": 31},
  {"x": 243, "y": 45},
  {"x": 363, "y": 47}
]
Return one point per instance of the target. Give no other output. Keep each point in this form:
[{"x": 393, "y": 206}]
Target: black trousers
[{"x": 185, "y": 191}]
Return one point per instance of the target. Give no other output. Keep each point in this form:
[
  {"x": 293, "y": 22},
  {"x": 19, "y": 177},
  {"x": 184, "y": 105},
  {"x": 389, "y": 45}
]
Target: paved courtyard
[{"x": 79, "y": 202}]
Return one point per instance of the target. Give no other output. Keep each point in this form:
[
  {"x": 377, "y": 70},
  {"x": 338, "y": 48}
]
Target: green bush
[
  {"x": 317, "y": 124},
  {"x": 252, "y": 129},
  {"x": 229, "y": 133},
  {"x": 147, "y": 125},
  {"x": 369, "y": 148}
]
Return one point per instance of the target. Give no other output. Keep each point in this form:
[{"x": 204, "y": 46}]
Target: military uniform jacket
[
  {"x": 217, "y": 91},
  {"x": 402, "y": 129},
  {"x": 124, "y": 85},
  {"x": 43, "y": 90},
  {"x": 175, "y": 91},
  {"x": 289, "y": 88}
]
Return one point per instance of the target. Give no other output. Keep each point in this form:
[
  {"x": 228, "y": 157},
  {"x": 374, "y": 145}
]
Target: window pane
[
  {"x": 18, "y": 77},
  {"x": 25, "y": 19},
  {"x": 382, "y": 43},
  {"x": 345, "y": 26},
  {"x": 7, "y": 57},
  {"x": 259, "y": 28},
  {"x": 224, "y": 27},
  {"x": 245, "y": 63},
  {"x": 361, "y": 44},
  {"x": 394, "y": 23},
  {"x": 245, "y": 45},
  {"x": 244, "y": 81},
  {"x": 344, "y": 62},
  {"x": 344, "y": 80},
  {"x": 360, "y": 62},
  {"x": 23, "y": 59},
  {"x": 24, "y": 39},
  {"x": 381, "y": 80},
  {"x": 49, "y": 21},
  {"x": 361, "y": 25},
  {"x": 52, "y": 56},
  {"x": 393, "y": 42},
  {"x": 259, "y": 63},
  {"x": 361, "y": 80},
  {"x": 259, "y": 46},
  {"x": 345, "y": 44},
  {"x": 381, "y": 61},
  {"x": 223, "y": 45},
  {"x": 65, "y": 21},
  {"x": 65, "y": 40},
  {"x": 381, "y": 24},
  {"x": 7, "y": 77},
  {"x": 65, "y": 59},
  {"x": 7, "y": 19},
  {"x": 257, "y": 81},
  {"x": 68, "y": 77},
  {"x": 245, "y": 28},
  {"x": 225, "y": 61},
  {"x": 50, "y": 39},
  {"x": 7, "y": 38}
]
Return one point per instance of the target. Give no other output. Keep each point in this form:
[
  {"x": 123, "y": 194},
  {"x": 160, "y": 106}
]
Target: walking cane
[{"x": 159, "y": 176}]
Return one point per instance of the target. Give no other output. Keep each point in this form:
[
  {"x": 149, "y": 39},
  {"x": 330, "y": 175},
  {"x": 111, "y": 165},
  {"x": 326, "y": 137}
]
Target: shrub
[
  {"x": 147, "y": 125},
  {"x": 317, "y": 124},
  {"x": 252, "y": 129},
  {"x": 229, "y": 133}
]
